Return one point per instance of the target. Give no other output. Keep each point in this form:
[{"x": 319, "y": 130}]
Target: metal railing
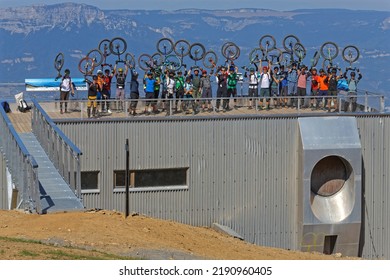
[
  {"x": 182, "y": 106},
  {"x": 65, "y": 155},
  {"x": 367, "y": 100},
  {"x": 22, "y": 166}
]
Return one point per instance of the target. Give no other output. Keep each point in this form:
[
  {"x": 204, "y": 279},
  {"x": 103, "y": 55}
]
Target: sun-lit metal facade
[{"x": 242, "y": 173}]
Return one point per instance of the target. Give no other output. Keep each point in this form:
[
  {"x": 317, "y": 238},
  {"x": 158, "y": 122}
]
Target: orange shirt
[
  {"x": 323, "y": 82},
  {"x": 314, "y": 82},
  {"x": 100, "y": 82}
]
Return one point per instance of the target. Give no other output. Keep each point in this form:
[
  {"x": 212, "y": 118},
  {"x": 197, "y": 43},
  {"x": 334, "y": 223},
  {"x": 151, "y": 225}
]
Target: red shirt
[{"x": 107, "y": 82}]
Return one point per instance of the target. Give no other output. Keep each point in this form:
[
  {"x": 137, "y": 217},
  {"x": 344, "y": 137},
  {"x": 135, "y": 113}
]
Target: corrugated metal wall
[
  {"x": 375, "y": 140},
  {"x": 3, "y": 184},
  {"x": 242, "y": 173}
]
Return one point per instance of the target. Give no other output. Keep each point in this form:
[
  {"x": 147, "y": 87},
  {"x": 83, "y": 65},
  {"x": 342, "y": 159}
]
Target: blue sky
[{"x": 281, "y": 5}]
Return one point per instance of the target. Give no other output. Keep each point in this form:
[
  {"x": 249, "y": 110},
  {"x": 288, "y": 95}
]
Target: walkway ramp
[{"x": 56, "y": 195}]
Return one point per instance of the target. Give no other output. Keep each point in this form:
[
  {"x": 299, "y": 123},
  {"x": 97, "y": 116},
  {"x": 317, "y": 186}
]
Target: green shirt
[
  {"x": 232, "y": 80},
  {"x": 179, "y": 82}
]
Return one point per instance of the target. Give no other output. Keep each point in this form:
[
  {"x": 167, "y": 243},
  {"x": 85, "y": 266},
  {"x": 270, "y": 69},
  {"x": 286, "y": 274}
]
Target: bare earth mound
[{"x": 107, "y": 234}]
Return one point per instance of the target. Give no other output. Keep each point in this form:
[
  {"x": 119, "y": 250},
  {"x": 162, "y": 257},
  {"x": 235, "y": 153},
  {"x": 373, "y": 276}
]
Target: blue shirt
[
  {"x": 292, "y": 76},
  {"x": 149, "y": 84}
]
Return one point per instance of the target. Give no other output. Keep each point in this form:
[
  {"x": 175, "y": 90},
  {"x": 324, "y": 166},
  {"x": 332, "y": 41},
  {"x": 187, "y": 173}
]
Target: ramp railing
[
  {"x": 22, "y": 166},
  {"x": 64, "y": 154}
]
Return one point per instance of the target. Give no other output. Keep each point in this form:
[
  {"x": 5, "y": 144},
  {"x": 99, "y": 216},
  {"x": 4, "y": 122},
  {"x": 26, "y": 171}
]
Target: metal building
[{"x": 240, "y": 172}]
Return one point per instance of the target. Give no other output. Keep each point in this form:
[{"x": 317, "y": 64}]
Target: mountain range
[{"x": 32, "y": 36}]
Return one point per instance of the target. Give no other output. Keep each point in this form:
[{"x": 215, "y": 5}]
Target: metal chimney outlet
[{"x": 330, "y": 185}]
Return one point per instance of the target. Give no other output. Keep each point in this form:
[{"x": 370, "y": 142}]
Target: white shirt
[
  {"x": 65, "y": 84},
  {"x": 170, "y": 84},
  {"x": 265, "y": 80},
  {"x": 253, "y": 80}
]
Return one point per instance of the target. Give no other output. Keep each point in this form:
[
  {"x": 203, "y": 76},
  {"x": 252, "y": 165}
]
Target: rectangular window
[
  {"x": 119, "y": 179},
  {"x": 152, "y": 178},
  {"x": 89, "y": 180},
  {"x": 160, "y": 177}
]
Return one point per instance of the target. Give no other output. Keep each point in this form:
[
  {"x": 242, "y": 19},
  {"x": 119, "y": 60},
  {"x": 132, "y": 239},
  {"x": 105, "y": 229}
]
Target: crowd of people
[{"x": 268, "y": 88}]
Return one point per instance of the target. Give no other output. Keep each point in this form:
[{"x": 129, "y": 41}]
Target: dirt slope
[{"x": 107, "y": 232}]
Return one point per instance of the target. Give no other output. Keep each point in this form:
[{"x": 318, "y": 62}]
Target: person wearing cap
[
  {"x": 188, "y": 95},
  {"x": 195, "y": 80},
  {"x": 149, "y": 86},
  {"x": 292, "y": 79},
  {"x": 351, "y": 100},
  {"x": 314, "y": 87},
  {"x": 253, "y": 81},
  {"x": 301, "y": 85},
  {"x": 275, "y": 86},
  {"x": 157, "y": 86},
  {"x": 179, "y": 88},
  {"x": 323, "y": 86},
  {"x": 106, "y": 91},
  {"x": 206, "y": 91},
  {"x": 221, "y": 77},
  {"x": 93, "y": 89},
  {"x": 134, "y": 92},
  {"x": 232, "y": 79},
  {"x": 100, "y": 82},
  {"x": 265, "y": 80},
  {"x": 66, "y": 87},
  {"x": 120, "y": 76},
  {"x": 284, "y": 85},
  {"x": 169, "y": 86},
  {"x": 333, "y": 79}
]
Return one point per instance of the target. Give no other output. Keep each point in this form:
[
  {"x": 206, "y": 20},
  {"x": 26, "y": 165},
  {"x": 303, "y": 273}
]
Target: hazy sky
[{"x": 281, "y": 5}]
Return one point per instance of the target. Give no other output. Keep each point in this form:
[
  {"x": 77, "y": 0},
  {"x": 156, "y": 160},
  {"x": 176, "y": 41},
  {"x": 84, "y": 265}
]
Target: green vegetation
[
  {"x": 14, "y": 239},
  {"x": 39, "y": 250},
  {"x": 28, "y": 253}
]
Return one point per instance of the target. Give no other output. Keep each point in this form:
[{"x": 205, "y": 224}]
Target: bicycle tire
[
  {"x": 230, "y": 51},
  {"x": 182, "y": 48},
  {"x": 195, "y": 49},
  {"x": 158, "y": 59},
  {"x": 329, "y": 56},
  {"x": 210, "y": 59},
  {"x": 165, "y": 46},
  {"x": 288, "y": 44},
  {"x": 118, "y": 46},
  {"x": 173, "y": 62},
  {"x": 130, "y": 60},
  {"x": 263, "y": 42},
  {"x": 315, "y": 59},
  {"x": 350, "y": 57},
  {"x": 278, "y": 55},
  {"x": 287, "y": 59},
  {"x": 84, "y": 65},
  {"x": 226, "y": 46},
  {"x": 326, "y": 63},
  {"x": 300, "y": 51},
  {"x": 59, "y": 61},
  {"x": 104, "y": 47},
  {"x": 96, "y": 55},
  {"x": 145, "y": 62},
  {"x": 255, "y": 55}
]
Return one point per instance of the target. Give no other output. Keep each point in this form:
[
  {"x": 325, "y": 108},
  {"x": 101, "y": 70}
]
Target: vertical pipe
[{"x": 127, "y": 178}]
